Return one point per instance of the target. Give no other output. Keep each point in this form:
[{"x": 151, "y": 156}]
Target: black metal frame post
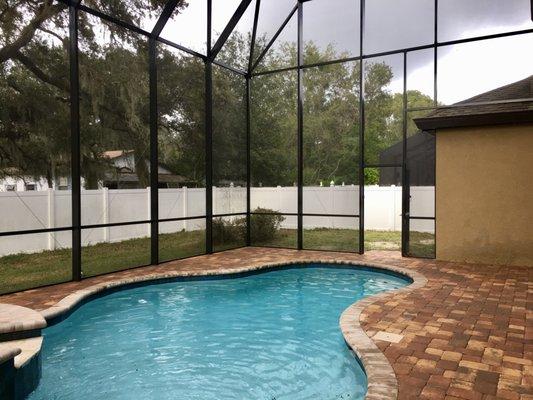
[
  {"x": 300, "y": 126},
  {"x": 435, "y": 72},
  {"x": 435, "y": 49},
  {"x": 254, "y": 35},
  {"x": 361, "y": 132},
  {"x": 406, "y": 218},
  {"x": 154, "y": 154},
  {"x": 248, "y": 78},
  {"x": 248, "y": 161},
  {"x": 406, "y": 192},
  {"x": 229, "y": 28},
  {"x": 209, "y": 137},
  {"x": 209, "y": 157},
  {"x": 75, "y": 143},
  {"x": 164, "y": 17},
  {"x": 154, "y": 142},
  {"x": 273, "y": 39}
]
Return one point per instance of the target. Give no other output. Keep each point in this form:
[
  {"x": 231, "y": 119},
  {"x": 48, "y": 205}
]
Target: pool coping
[{"x": 381, "y": 379}]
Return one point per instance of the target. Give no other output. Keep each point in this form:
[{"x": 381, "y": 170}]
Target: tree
[
  {"x": 331, "y": 117},
  {"x": 34, "y": 78},
  {"x": 181, "y": 109},
  {"x": 34, "y": 136},
  {"x": 114, "y": 103},
  {"x": 274, "y": 129}
]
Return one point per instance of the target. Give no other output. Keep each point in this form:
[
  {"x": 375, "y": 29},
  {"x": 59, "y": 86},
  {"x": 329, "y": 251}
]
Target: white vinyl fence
[{"x": 52, "y": 209}]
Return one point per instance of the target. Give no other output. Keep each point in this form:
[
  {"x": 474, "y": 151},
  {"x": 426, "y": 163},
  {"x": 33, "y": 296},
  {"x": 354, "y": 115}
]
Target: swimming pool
[{"x": 273, "y": 335}]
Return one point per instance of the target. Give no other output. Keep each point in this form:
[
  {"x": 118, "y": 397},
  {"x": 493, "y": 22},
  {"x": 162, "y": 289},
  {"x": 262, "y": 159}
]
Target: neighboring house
[
  {"x": 16, "y": 184},
  {"x": 484, "y": 176},
  {"x": 121, "y": 175},
  {"x": 420, "y": 161},
  {"x": 19, "y": 183}
]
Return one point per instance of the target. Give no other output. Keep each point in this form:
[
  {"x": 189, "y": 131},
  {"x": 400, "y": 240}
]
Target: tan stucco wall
[{"x": 485, "y": 194}]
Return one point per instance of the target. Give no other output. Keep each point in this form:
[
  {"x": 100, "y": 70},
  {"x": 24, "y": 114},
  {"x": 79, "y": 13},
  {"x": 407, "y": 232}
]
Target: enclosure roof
[{"x": 490, "y": 111}]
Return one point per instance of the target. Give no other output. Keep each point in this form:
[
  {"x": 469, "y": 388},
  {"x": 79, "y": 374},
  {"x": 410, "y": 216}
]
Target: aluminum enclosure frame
[{"x": 209, "y": 60}]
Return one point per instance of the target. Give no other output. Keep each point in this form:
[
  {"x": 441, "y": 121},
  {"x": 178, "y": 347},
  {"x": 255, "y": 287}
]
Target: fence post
[
  {"x": 214, "y": 199},
  {"x": 51, "y": 218},
  {"x": 392, "y": 211},
  {"x": 231, "y": 207},
  {"x": 185, "y": 206},
  {"x": 398, "y": 199},
  {"x": 105, "y": 205},
  {"x": 149, "y": 211},
  {"x": 332, "y": 189},
  {"x": 280, "y": 194}
]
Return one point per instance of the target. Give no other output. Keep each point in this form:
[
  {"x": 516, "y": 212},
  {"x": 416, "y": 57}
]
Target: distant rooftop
[
  {"x": 489, "y": 111},
  {"x": 116, "y": 153}
]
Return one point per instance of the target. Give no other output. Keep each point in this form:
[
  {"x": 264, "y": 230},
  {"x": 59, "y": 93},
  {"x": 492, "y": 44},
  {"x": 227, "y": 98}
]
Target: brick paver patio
[{"x": 467, "y": 334}]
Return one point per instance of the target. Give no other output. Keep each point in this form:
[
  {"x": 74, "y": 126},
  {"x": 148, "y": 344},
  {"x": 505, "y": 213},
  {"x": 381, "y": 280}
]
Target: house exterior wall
[
  {"x": 21, "y": 184},
  {"x": 485, "y": 194}
]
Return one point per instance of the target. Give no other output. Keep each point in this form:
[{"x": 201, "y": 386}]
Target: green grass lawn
[
  {"x": 421, "y": 244},
  {"x": 338, "y": 239},
  {"x": 23, "y": 271}
]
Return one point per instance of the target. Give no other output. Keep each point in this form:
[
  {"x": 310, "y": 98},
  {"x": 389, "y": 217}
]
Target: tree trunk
[{"x": 141, "y": 168}]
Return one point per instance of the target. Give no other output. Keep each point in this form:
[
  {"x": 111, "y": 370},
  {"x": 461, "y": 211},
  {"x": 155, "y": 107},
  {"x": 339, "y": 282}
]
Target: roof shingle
[{"x": 489, "y": 110}]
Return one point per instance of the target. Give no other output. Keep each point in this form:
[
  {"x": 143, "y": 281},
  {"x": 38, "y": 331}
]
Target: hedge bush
[
  {"x": 226, "y": 231},
  {"x": 263, "y": 227}
]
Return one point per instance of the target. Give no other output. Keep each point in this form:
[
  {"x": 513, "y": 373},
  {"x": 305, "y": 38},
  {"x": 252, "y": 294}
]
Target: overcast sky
[{"x": 464, "y": 70}]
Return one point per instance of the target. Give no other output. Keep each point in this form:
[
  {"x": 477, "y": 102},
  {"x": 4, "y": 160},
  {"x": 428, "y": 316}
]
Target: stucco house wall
[{"x": 485, "y": 194}]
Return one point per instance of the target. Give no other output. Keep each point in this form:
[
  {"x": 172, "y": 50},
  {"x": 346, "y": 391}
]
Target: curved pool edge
[
  {"x": 381, "y": 379},
  {"x": 70, "y": 303}
]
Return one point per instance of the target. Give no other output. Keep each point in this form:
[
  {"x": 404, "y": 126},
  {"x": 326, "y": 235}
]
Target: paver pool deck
[{"x": 466, "y": 334}]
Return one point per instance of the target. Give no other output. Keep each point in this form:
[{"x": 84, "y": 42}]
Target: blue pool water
[{"x": 269, "y": 336}]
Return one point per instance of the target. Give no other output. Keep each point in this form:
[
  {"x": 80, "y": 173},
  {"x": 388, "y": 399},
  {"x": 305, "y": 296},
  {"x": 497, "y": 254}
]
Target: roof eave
[{"x": 460, "y": 121}]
